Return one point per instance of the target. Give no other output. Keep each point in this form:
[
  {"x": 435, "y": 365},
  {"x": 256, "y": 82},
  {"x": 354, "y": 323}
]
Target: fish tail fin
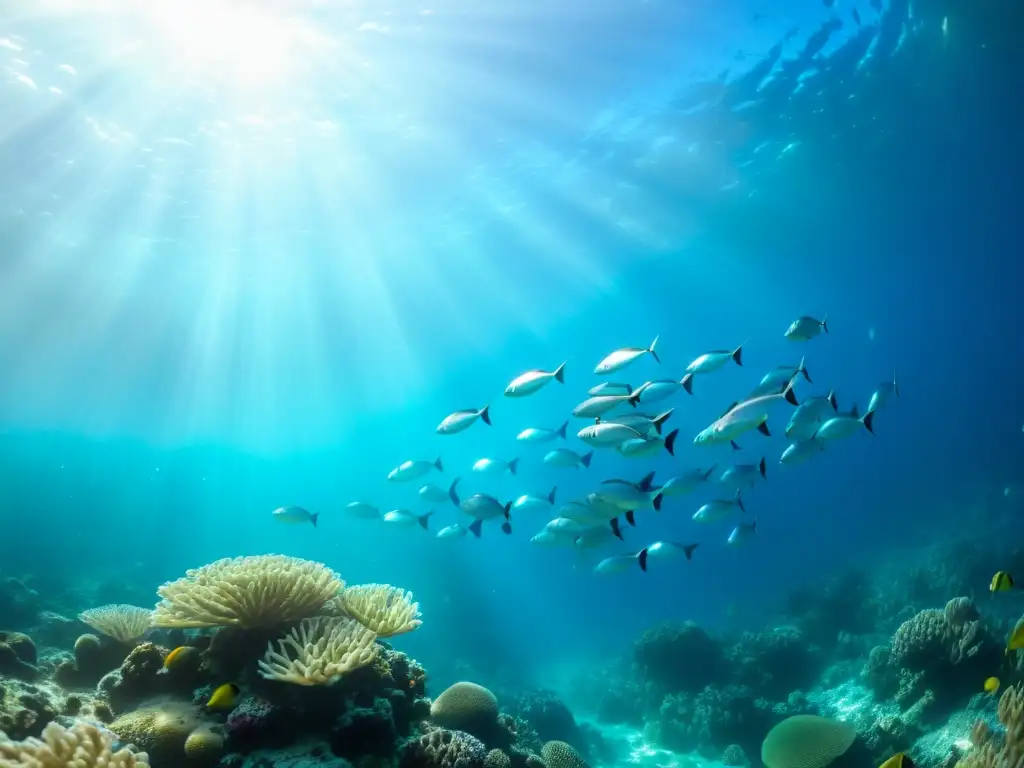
[
  {"x": 802, "y": 368},
  {"x": 513, "y": 465},
  {"x": 586, "y": 459},
  {"x": 562, "y": 429},
  {"x": 657, "y": 501},
  {"x": 832, "y": 399},
  {"x": 631, "y": 517},
  {"x": 485, "y": 415},
  {"x": 560, "y": 374},
  {"x": 763, "y": 466},
  {"x": 313, "y": 518},
  {"x": 651, "y": 349},
  {"x": 735, "y": 446},
  {"x": 763, "y": 429},
  {"x": 476, "y": 527},
  {"x": 633, "y": 398},
  {"x": 641, "y": 557},
  {"x": 688, "y": 550},
  {"x": 790, "y": 395},
  {"x": 424, "y": 520},
  {"x": 739, "y": 502},
  {"x": 869, "y": 421},
  {"x": 895, "y": 384},
  {"x": 506, "y": 527},
  {"x": 551, "y": 496},
  {"x": 824, "y": 323},
  {"x": 670, "y": 442},
  {"x": 614, "y": 523},
  {"x": 660, "y": 419},
  {"x": 707, "y": 475},
  {"x": 687, "y": 382},
  {"x": 646, "y": 482},
  {"x": 452, "y": 494},
  {"x": 629, "y": 389},
  {"x": 737, "y": 354},
  {"x": 508, "y": 511},
  {"x": 438, "y": 464}
]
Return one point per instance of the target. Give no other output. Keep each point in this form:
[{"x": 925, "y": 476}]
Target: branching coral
[
  {"x": 125, "y": 623},
  {"x": 993, "y": 752},
  {"x": 319, "y": 651},
  {"x": 387, "y": 610},
  {"x": 256, "y": 591},
  {"x": 82, "y": 746}
]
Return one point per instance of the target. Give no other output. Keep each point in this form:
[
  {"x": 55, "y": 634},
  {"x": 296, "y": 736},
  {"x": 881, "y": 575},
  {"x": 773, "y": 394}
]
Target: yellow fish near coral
[
  {"x": 176, "y": 655},
  {"x": 1001, "y": 582},
  {"x": 1016, "y": 641},
  {"x": 991, "y": 685},
  {"x": 224, "y": 697},
  {"x": 899, "y": 760}
]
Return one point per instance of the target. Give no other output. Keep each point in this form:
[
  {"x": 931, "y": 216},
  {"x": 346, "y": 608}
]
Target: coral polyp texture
[
  {"x": 806, "y": 741},
  {"x": 319, "y": 651},
  {"x": 385, "y": 609},
  {"x": 124, "y": 623},
  {"x": 81, "y": 746},
  {"x": 991, "y": 751},
  {"x": 249, "y": 592}
]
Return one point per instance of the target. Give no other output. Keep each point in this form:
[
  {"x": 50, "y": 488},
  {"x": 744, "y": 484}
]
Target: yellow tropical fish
[
  {"x": 1001, "y": 582},
  {"x": 224, "y": 697},
  {"x": 899, "y": 760},
  {"x": 176, "y": 655},
  {"x": 992, "y": 685},
  {"x": 1016, "y": 641}
]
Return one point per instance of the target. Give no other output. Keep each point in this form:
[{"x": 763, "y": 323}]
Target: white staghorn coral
[
  {"x": 81, "y": 746},
  {"x": 255, "y": 591},
  {"x": 387, "y": 610},
  {"x": 319, "y": 651},
  {"x": 126, "y": 623}
]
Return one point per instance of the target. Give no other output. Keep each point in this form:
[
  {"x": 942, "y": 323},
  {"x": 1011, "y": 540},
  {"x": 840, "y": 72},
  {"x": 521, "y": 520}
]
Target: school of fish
[{"x": 620, "y": 421}]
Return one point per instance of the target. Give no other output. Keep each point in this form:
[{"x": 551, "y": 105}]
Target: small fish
[
  {"x": 991, "y": 685},
  {"x": 643, "y": 447},
  {"x": 456, "y": 531},
  {"x": 600, "y": 405},
  {"x": 899, "y": 760},
  {"x": 563, "y": 457},
  {"x": 806, "y": 328},
  {"x": 432, "y": 494},
  {"x": 362, "y": 510},
  {"x": 620, "y": 358},
  {"x": 743, "y": 417},
  {"x": 665, "y": 549},
  {"x": 414, "y": 470},
  {"x": 744, "y": 474},
  {"x": 710, "y": 362},
  {"x": 716, "y": 509},
  {"x": 680, "y": 485},
  {"x": 463, "y": 420},
  {"x": 1016, "y": 641},
  {"x": 607, "y": 434},
  {"x": 547, "y": 538},
  {"x": 845, "y": 426},
  {"x": 742, "y": 533},
  {"x": 404, "y": 517},
  {"x": 799, "y": 452},
  {"x": 809, "y": 414},
  {"x": 589, "y": 512},
  {"x": 179, "y": 655},
  {"x": 527, "y": 502},
  {"x": 495, "y": 466},
  {"x": 881, "y": 395},
  {"x": 1001, "y": 582},
  {"x": 482, "y": 506},
  {"x": 610, "y": 388},
  {"x": 646, "y": 425},
  {"x": 532, "y": 381},
  {"x": 617, "y": 563},
  {"x": 565, "y": 525},
  {"x": 599, "y": 536},
  {"x": 224, "y": 697},
  {"x": 630, "y": 497},
  {"x": 293, "y": 514},
  {"x": 661, "y": 389},
  {"x": 539, "y": 435},
  {"x": 775, "y": 381}
]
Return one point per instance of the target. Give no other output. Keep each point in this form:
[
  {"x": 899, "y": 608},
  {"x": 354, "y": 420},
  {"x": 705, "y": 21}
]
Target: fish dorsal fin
[
  {"x": 729, "y": 409},
  {"x": 855, "y": 412},
  {"x": 646, "y": 482}
]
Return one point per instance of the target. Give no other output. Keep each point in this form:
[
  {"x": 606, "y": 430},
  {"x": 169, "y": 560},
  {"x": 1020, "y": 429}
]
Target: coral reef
[{"x": 81, "y": 746}]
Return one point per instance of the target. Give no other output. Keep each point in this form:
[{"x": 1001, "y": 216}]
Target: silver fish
[
  {"x": 744, "y": 474},
  {"x": 598, "y": 536},
  {"x": 563, "y": 457},
  {"x": 479, "y": 506},
  {"x": 687, "y": 482},
  {"x": 607, "y": 434},
  {"x": 363, "y": 510},
  {"x": 743, "y": 417},
  {"x": 620, "y": 358},
  {"x": 665, "y": 549},
  {"x": 414, "y": 470},
  {"x": 495, "y": 466},
  {"x": 431, "y": 494},
  {"x": 617, "y": 563},
  {"x": 293, "y": 514},
  {"x": 710, "y": 362},
  {"x": 643, "y": 447},
  {"x": 881, "y": 395},
  {"x": 540, "y": 435},
  {"x": 528, "y": 502},
  {"x": 742, "y": 534},
  {"x": 716, "y": 509},
  {"x": 532, "y": 381},
  {"x": 844, "y": 426},
  {"x": 646, "y": 425},
  {"x": 610, "y": 388},
  {"x": 600, "y": 405},
  {"x": 463, "y": 420},
  {"x": 797, "y": 453},
  {"x": 456, "y": 531},
  {"x": 809, "y": 414},
  {"x": 404, "y": 517},
  {"x": 661, "y": 389},
  {"x": 806, "y": 328}
]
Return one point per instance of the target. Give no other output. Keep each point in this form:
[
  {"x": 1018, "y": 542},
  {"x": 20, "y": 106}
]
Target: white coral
[
  {"x": 126, "y": 623},
  {"x": 387, "y": 610},
  {"x": 81, "y": 746},
  {"x": 319, "y": 651}
]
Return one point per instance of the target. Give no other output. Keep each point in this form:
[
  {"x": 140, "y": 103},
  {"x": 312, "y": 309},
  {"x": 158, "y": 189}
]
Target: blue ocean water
[{"x": 237, "y": 277}]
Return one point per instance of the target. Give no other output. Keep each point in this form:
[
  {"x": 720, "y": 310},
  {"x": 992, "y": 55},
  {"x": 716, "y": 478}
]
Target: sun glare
[{"x": 225, "y": 40}]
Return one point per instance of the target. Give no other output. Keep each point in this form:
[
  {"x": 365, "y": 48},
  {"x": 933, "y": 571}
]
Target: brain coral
[
  {"x": 257, "y": 591},
  {"x": 806, "y": 741},
  {"x": 440, "y": 748},
  {"x": 161, "y": 730},
  {"x": 81, "y": 746},
  {"x": 466, "y": 707},
  {"x": 558, "y": 754},
  {"x": 497, "y": 759}
]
